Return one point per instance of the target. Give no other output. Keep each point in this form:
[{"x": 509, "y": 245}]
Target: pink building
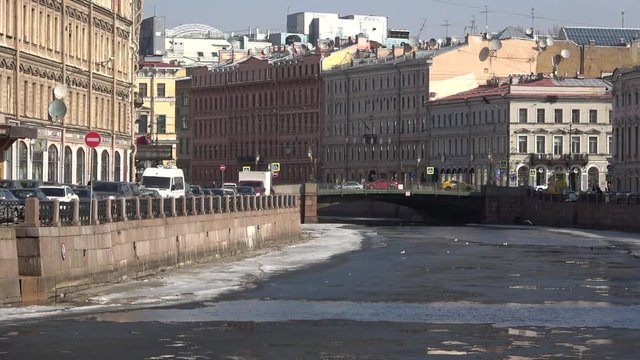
[{"x": 255, "y": 112}]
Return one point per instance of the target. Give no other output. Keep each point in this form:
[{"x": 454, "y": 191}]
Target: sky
[{"x": 231, "y": 16}]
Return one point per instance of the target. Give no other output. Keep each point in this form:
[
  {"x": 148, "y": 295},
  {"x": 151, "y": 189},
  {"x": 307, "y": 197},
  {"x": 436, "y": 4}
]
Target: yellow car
[{"x": 453, "y": 184}]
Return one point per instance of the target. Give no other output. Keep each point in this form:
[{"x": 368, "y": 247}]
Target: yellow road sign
[
  {"x": 275, "y": 167},
  {"x": 430, "y": 170},
  {"x": 246, "y": 168}
]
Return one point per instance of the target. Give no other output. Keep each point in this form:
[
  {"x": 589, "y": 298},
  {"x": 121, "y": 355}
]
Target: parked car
[
  {"x": 383, "y": 184},
  {"x": 25, "y": 193},
  {"x": 542, "y": 187},
  {"x": 350, "y": 185},
  {"x": 115, "y": 189},
  {"x": 245, "y": 190},
  {"x": 10, "y": 184},
  {"x": 83, "y": 192},
  {"x": 11, "y": 209},
  {"x": 63, "y": 193},
  {"x": 453, "y": 184},
  {"x": 6, "y": 194},
  {"x": 196, "y": 190},
  {"x": 147, "y": 192},
  {"x": 222, "y": 192}
]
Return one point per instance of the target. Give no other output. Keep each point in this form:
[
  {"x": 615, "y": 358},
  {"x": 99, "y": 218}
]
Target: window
[
  {"x": 575, "y": 116},
  {"x": 38, "y": 162},
  {"x": 52, "y": 173},
  {"x": 117, "y": 166},
  {"x": 162, "y": 124},
  {"x": 593, "y": 144},
  {"x": 23, "y": 161},
  {"x": 522, "y": 115},
  {"x": 593, "y": 116},
  {"x": 80, "y": 167},
  {"x": 200, "y": 54},
  {"x": 104, "y": 170},
  {"x": 575, "y": 144},
  {"x": 557, "y": 116},
  {"x": 161, "y": 90},
  {"x": 143, "y": 124},
  {"x": 522, "y": 144},
  {"x": 557, "y": 145},
  {"x": 540, "y": 116},
  {"x": 142, "y": 90},
  {"x": 68, "y": 166},
  {"x": 540, "y": 145}
]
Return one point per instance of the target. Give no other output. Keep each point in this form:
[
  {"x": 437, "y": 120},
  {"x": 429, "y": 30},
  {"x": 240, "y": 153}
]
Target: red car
[{"x": 383, "y": 184}]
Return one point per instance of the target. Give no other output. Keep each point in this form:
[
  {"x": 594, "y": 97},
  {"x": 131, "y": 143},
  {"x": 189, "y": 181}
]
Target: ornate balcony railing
[{"x": 563, "y": 159}]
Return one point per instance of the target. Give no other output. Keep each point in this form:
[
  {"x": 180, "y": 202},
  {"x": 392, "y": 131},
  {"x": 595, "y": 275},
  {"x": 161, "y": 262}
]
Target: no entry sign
[
  {"x": 222, "y": 167},
  {"x": 92, "y": 139}
]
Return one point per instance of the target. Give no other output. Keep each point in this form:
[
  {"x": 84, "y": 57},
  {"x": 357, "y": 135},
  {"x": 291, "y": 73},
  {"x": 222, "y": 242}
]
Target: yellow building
[
  {"x": 156, "y": 120},
  {"x": 67, "y": 68}
]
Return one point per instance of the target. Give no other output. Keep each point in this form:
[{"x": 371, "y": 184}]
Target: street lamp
[
  {"x": 313, "y": 162},
  {"x": 257, "y": 159}
]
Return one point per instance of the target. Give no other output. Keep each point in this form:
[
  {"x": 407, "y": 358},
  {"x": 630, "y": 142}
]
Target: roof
[
  {"x": 600, "y": 36},
  {"x": 195, "y": 31},
  {"x": 503, "y": 89},
  {"x": 512, "y": 33}
]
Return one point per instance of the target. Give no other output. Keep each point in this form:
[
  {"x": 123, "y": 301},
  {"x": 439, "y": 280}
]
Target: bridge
[{"x": 424, "y": 205}]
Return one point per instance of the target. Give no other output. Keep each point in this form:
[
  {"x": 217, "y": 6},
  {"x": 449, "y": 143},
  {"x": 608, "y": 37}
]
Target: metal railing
[{"x": 35, "y": 212}]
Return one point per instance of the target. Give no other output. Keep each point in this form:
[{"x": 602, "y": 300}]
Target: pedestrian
[{"x": 598, "y": 190}]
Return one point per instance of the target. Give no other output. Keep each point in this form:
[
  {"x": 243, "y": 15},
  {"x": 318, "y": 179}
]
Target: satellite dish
[
  {"x": 565, "y": 54},
  {"x": 432, "y": 42},
  {"x": 550, "y": 41},
  {"x": 542, "y": 44},
  {"x": 266, "y": 50},
  {"x": 60, "y": 91},
  {"x": 529, "y": 31},
  {"x": 439, "y": 41},
  {"x": 488, "y": 35},
  {"x": 57, "y": 109},
  {"x": 495, "y": 44}
]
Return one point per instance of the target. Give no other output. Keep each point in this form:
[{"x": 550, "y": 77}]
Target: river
[{"x": 356, "y": 292}]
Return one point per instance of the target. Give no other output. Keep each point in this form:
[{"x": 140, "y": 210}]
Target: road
[{"x": 364, "y": 293}]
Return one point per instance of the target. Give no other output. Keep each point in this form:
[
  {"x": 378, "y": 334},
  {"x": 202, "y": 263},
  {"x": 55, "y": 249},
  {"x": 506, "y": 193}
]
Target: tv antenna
[
  {"x": 446, "y": 25},
  {"x": 424, "y": 22},
  {"x": 486, "y": 18}
]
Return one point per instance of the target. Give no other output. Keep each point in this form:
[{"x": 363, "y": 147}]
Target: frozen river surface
[{"x": 364, "y": 293}]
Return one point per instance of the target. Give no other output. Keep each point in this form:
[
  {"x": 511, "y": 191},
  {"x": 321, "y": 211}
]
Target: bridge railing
[
  {"x": 416, "y": 188},
  {"x": 35, "y": 212}
]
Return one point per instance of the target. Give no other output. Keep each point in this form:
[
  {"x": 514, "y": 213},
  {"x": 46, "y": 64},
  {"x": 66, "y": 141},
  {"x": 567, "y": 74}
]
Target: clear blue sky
[{"x": 404, "y": 14}]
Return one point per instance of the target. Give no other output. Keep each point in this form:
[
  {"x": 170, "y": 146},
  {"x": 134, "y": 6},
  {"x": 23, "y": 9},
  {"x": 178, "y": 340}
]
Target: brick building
[{"x": 255, "y": 112}]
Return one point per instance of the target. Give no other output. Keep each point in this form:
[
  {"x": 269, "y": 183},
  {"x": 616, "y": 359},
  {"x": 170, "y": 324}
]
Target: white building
[
  {"x": 523, "y": 132},
  {"x": 626, "y": 119},
  {"x": 329, "y": 26}
]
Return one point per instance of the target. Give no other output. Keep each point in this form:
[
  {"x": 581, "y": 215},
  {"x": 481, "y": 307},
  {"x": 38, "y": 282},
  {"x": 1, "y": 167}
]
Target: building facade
[
  {"x": 319, "y": 26},
  {"x": 625, "y": 172},
  {"x": 183, "y": 124},
  {"x": 66, "y": 68},
  {"x": 156, "y": 119},
  {"x": 524, "y": 131},
  {"x": 255, "y": 112},
  {"x": 374, "y": 119}
]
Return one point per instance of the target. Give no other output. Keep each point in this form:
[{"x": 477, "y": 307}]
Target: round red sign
[
  {"x": 222, "y": 167},
  {"x": 92, "y": 139},
  {"x": 275, "y": 174}
]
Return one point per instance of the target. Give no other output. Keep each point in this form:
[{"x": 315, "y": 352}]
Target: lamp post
[
  {"x": 257, "y": 159},
  {"x": 313, "y": 162},
  {"x": 418, "y": 171}
]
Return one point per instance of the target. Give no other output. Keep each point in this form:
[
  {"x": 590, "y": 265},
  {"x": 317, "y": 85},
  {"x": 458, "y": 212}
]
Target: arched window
[
  {"x": 80, "y": 169},
  {"x": 23, "y": 161},
  {"x": 94, "y": 165},
  {"x": 8, "y": 158},
  {"x": 38, "y": 160},
  {"x": 116, "y": 166},
  {"x": 68, "y": 166},
  {"x": 52, "y": 164},
  {"x": 104, "y": 168}
]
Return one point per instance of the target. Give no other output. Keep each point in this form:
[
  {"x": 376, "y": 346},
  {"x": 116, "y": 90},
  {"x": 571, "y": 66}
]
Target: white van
[{"x": 168, "y": 181}]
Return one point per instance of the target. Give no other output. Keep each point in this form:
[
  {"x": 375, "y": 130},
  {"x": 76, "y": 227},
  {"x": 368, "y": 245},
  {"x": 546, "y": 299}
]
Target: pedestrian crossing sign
[
  {"x": 503, "y": 164},
  {"x": 430, "y": 170},
  {"x": 246, "y": 168},
  {"x": 532, "y": 172},
  {"x": 275, "y": 167}
]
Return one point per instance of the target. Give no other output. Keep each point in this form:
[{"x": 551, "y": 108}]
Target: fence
[{"x": 34, "y": 212}]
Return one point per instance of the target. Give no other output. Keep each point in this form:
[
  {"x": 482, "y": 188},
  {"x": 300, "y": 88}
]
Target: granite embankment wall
[
  {"x": 515, "y": 205},
  {"x": 52, "y": 261}
]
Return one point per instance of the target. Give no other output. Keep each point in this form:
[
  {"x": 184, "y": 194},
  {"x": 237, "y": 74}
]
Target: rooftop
[{"x": 599, "y": 36}]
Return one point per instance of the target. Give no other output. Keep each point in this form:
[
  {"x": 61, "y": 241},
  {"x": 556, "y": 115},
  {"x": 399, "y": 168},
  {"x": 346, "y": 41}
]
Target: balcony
[{"x": 552, "y": 160}]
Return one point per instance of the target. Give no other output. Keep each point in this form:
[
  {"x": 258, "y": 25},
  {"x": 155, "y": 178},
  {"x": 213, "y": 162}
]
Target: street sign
[
  {"x": 430, "y": 170},
  {"x": 222, "y": 167},
  {"x": 275, "y": 167},
  {"x": 274, "y": 174},
  {"x": 246, "y": 168},
  {"x": 532, "y": 172},
  {"x": 92, "y": 139},
  {"x": 503, "y": 164}
]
